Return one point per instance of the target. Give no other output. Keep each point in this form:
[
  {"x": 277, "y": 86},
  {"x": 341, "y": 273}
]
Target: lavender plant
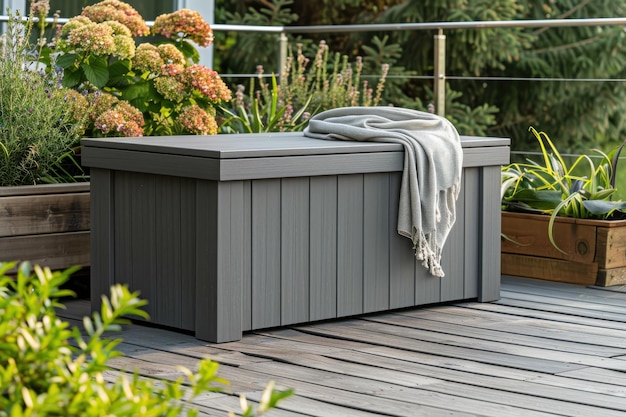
[
  {"x": 40, "y": 122},
  {"x": 306, "y": 87}
]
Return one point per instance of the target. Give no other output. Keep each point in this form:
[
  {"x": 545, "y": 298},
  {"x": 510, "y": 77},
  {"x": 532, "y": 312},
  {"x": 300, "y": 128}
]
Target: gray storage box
[{"x": 229, "y": 233}]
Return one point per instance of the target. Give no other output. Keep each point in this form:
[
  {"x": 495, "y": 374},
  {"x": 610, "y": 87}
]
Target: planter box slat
[
  {"x": 55, "y": 250},
  {"x": 611, "y": 247},
  {"x": 558, "y": 270},
  {"x": 596, "y": 249},
  {"x": 310, "y": 235},
  {"x": 529, "y": 235},
  {"x": 40, "y": 214},
  {"x": 46, "y": 224}
]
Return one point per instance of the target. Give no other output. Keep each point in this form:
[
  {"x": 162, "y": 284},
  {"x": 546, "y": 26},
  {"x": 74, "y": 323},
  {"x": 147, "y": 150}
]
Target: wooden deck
[{"x": 544, "y": 349}]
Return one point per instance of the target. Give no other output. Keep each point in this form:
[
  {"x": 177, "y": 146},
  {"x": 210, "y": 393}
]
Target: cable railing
[{"x": 439, "y": 76}]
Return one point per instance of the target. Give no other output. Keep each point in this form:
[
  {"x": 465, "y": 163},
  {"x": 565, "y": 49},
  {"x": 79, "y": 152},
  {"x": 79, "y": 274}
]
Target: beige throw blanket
[{"x": 432, "y": 168}]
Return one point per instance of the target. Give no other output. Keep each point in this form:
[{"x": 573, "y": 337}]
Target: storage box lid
[{"x": 265, "y": 155}]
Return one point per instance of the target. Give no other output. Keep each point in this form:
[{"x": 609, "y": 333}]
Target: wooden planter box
[
  {"x": 239, "y": 232},
  {"x": 594, "y": 249},
  {"x": 45, "y": 224}
]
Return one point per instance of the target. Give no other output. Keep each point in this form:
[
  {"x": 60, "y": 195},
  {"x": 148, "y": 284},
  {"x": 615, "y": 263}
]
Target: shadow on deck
[{"x": 544, "y": 349}]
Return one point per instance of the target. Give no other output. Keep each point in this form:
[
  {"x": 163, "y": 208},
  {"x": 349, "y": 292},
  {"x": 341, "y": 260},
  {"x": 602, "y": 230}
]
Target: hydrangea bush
[{"x": 130, "y": 84}]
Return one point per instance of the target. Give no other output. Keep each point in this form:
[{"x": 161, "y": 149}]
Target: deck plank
[{"x": 543, "y": 349}]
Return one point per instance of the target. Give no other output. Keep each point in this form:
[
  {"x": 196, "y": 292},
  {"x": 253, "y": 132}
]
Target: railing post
[
  {"x": 440, "y": 73},
  {"x": 282, "y": 53}
]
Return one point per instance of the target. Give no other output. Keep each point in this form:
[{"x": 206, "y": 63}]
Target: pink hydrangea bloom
[
  {"x": 207, "y": 82},
  {"x": 184, "y": 23},
  {"x": 119, "y": 11},
  {"x": 197, "y": 121}
]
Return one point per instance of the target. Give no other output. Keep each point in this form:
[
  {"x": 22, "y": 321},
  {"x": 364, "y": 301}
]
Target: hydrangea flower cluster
[
  {"x": 197, "y": 120},
  {"x": 154, "y": 88},
  {"x": 184, "y": 23},
  {"x": 114, "y": 10}
]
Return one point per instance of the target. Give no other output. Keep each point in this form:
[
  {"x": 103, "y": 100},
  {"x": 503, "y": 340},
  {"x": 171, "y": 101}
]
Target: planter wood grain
[
  {"x": 595, "y": 250},
  {"x": 46, "y": 224}
]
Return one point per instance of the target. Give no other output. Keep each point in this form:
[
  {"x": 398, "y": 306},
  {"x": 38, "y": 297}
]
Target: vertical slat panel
[
  {"x": 323, "y": 246},
  {"x": 188, "y": 252},
  {"x": 122, "y": 228},
  {"x": 143, "y": 239},
  {"x": 246, "y": 255},
  {"x": 102, "y": 255},
  {"x": 294, "y": 250},
  {"x": 489, "y": 289},
  {"x": 168, "y": 252},
  {"x": 265, "y": 253},
  {"x": 231, "y": 241},
  {"x": 218, "y": 275},
  {"x": 349, "y": 244},
  {"x": 376, "y": 242},
  {"x": 452, "y": 285},
  {"x": 471, "y": 209},
  {"x": 402, "y": 257}
]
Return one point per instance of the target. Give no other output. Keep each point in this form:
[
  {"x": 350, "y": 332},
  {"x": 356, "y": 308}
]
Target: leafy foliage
[
  {"x": 134, "y": 85},
  {"x": 48, "y": 368},
  {"x": 38, "y": 128},
  {"x": 307, "y": 86},
  {"x": 582, "y": 190}
]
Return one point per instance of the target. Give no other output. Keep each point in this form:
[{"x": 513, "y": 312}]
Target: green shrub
[
  {"x": 306, "y": 87},
  {"x": 48, "y": 368},
  {"x": 37, "y": 125}
]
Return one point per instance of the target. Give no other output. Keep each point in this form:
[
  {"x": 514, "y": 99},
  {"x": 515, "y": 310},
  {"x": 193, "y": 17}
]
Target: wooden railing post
[
  {"x": 440, "y": 73},
  {"x": 282, "y": 53}
]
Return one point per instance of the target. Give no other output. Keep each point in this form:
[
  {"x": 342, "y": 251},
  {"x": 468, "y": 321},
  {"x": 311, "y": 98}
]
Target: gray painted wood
[
  {"x": 266, "y": 222},
  {"x": 376, "y": 193},
  {"x": 294, "y": 250},
  {"x": 310, "y": 235},
  {"x": 402, "y": 257},
  {"x": 472, "y": 226},
  {"x": 349, "y": 245},
  {"x": 219, "y": 240},
  {"x": 323, "y": 246},
  {"x": 490, "y": 250},
  {"x": 265, "y": 156},
  {"x": 102, "y": 234}
]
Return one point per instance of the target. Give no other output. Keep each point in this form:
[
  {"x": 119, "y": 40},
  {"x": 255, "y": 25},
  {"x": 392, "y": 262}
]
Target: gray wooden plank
[
  {"x": 265, "y": 253},
  {"x": 168, "y": 256},
  {"x": 188, "y": 252},
  {"x": 323, "y": 246},
  {"x": 572, "y": 342},
  {"x": 375, "y": 242},
  {"x": 453, "y": 283},
  {"x": 402, "y": 256},
  {"x": 519, "y": 325},
  {"x": 267, "y": 144},
  {"x": 377, "y": 391},
  {"x": 349, "y": 245},
  {"x": 294, "y": 247},
  {"x": 490, "y": 234},
  {"x": 219, "y": 266},
  {"x": 583, "y": 306},
  {"x": 530, "y": 352},
  {"x": 523, "y": 361},
  {"x": 471, "y": 236},
  {"x": 567, "y": 291},
  {"x": 527, "y": 309},
  {"x": 246, "y": 256},
  {"x": 102, "y": 236}
]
